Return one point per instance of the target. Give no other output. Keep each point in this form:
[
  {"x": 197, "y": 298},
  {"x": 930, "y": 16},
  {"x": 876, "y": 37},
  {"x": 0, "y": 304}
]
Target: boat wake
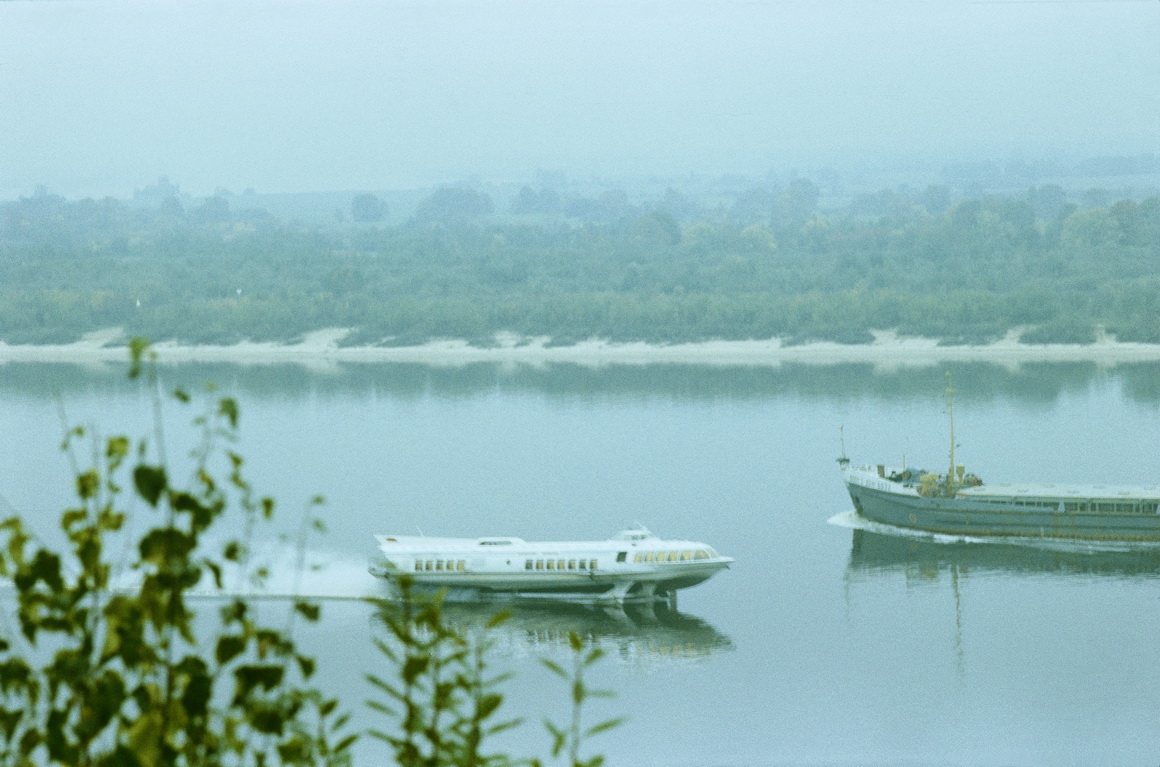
[
  {"x": 312, "y": 574},
  {"x": 286, "y": 575},
  {"x": 286, "y": 572},
  {"x": 854, "y": 521}
]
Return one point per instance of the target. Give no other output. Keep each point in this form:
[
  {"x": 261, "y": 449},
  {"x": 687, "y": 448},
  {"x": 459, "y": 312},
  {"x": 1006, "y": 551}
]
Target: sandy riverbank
[{"x": 887, "y": 350}]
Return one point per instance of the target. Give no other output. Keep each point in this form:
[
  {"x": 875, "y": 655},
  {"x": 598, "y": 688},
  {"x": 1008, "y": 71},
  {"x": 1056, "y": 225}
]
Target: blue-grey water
[{"x": 823, "y": 645}]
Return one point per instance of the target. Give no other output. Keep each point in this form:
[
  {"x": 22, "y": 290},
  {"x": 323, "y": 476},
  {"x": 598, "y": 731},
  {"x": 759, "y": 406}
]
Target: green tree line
[{"x": 766, "y": 263}]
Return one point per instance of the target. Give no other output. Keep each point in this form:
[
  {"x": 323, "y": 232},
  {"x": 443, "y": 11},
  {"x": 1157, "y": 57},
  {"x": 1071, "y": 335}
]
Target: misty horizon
[{"x": 104, "y": 97}]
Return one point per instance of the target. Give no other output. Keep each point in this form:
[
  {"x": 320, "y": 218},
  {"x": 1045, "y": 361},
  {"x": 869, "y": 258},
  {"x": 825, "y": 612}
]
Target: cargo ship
[{"x": 961, "y": 504}]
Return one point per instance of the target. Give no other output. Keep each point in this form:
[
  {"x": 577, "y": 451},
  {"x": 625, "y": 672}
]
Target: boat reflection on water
[
  {"x": 946, "y": 563},
  {"x": 638, "y": 633},
  {"x": 926, "y": 558}
]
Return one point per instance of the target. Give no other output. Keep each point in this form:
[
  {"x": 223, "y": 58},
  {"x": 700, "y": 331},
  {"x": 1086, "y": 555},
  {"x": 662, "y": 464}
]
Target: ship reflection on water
[
  {"x": 643, "y": 633},
  {"x": 1010, "y": 575},
  {"x": 925, "y": 558}
]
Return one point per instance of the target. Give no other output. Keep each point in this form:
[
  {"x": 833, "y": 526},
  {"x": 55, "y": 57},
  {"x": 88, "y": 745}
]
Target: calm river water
[{"x": 823, "y": 645}]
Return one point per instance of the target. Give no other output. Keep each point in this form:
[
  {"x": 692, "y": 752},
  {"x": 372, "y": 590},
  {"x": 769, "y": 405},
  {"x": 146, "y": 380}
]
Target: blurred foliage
[
  {"x": 442, "y": 700},
  {"x": 111, "y": 671},
  {"x": 765, "y": 263}
]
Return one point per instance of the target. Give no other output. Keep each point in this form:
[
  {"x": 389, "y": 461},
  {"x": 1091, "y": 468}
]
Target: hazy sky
[{"x": 101, "y": 96}]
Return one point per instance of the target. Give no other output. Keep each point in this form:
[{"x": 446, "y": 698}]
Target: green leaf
[
  {"x": 117, "y": 448},
  {"x": 386, "y": 650},
  {"x": 111, "y": 520},
  {"x": 374, "y": 705},
  {"x": 45, "y": 566},
  {"x": 269, "y": 640},
  {"x": 345, "y": 743},
  {"x": 574, "y": 641},
  {"x": 59, "y": 748},
  {"x": 9, "y": 721},
  {"x": 509, "y": 724},
  {"x": 309, "y": 610},
  {"x": 250, "y": 677},
  {"x": 306, "y": 665},
  {"x": 384, "y": 686},
  {"x": 215, "y": 570},
  {"x": 30, "y": 741},
  {"x": 88, "y": 483},
  {"x": 108, "y": 693},
  {"x": 228, "y": 407},
  {"x": 379, "y": 734},
  {"x": 228, "y": 648},
  {"x": 14, "y": 673},
  {"x": 137, "y": 348},
  {"x": 268, "y": 720},
  {"x": 414, "y": 667},
  {"x": 499, "y": 619},
  {"x": 233, "y": 551},
  {"x": 498, "y": 679},
  {"x": 187, "y": 503},
  {"x": 294, "y": 751},
  {"x": 164, "y": 544},
  {"x": 487, "y": 706},
  {"x": 72, "y": 517},
  {"x": 608, "y": 725},
  {"x": 198, "y": 686},
  {"x": 559, "y": 738},
  {"x": 145, "y": 736},
  {"x": 150, "y": 482},
  {"x": 235, "y": 611},
  {"x": 555, "y": 667},
  {"x": 595, "y": 654}
]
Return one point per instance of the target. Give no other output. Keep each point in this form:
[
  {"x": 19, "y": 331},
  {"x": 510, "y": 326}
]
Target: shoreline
[{"x": 323, "y": 347}]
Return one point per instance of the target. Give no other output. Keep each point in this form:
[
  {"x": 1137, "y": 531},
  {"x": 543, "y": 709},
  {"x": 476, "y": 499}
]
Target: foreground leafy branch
[
  {"x": 107, "y": 672},
  {"x": 443, "y": 703},
  {"x": 569, "y": 739}
]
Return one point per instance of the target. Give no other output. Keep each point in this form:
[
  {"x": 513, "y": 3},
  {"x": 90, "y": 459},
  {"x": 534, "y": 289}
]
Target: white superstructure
[{"x": 633, "y": 564}]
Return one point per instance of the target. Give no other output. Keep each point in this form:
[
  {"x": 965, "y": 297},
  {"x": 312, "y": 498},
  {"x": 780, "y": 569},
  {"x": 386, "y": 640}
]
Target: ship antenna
[
  {"x": 951, "y": 416},
  {"x": 843, "y": 461}
]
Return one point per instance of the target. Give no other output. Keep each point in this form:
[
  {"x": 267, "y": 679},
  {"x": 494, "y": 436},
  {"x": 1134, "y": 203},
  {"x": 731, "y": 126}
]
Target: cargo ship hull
[{"x": 1096, "y": 513}]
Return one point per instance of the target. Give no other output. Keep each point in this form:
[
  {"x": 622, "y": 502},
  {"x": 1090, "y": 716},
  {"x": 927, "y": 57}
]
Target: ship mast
[{"x": 951, "y": 416}]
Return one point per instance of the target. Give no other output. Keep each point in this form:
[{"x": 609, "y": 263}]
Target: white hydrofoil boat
[{"x": 635, "y": 564}]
